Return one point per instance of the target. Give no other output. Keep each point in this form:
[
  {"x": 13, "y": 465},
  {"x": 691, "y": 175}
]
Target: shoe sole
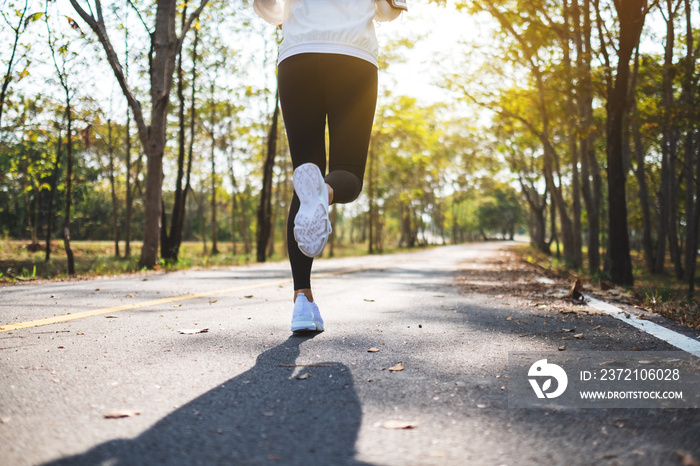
[
  {"x": 303, "y": 326},
  {"x": 311, "y": 224}
]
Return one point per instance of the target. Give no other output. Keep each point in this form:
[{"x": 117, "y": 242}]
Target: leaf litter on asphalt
[
  {"x": 687, "y": 459},
  {"x": 121, "y": 413},
  {"x": 193, "y": 331},
  {"x": 397, "y": 368},
  {"x": 399, "y": 425}
]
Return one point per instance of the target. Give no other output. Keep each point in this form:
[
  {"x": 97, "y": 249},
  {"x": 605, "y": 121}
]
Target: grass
[
  {"x": 97, "y": 258},
  {"x": 663, "y": 293}
]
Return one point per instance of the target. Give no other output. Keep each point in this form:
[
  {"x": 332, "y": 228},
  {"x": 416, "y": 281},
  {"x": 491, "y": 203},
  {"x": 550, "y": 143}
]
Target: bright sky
[{"x": 439, "y": 32}]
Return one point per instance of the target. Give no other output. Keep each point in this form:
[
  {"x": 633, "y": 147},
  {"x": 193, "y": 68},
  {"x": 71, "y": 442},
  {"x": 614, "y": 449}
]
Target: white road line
[{"x": 660, "y": 332}]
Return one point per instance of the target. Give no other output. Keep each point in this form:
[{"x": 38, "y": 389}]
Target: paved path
[{"x": 240, "y": 394}]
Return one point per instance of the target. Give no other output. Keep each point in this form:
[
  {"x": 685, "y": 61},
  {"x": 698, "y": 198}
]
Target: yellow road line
[{"x": 155, "y": 302}]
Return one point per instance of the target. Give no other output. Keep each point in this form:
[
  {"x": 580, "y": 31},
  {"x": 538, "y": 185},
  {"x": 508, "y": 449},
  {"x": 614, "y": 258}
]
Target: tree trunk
[
  {"x": 26, "y": 189},
  {"x": 554, "y": 238},
  {"x": 549, "y": 158},
  {"x": 199, "y": 199},
  {"x": 212, "y": 135},
  {"x": 538, "y": 223},
  {"x": 169, "y": 250},
  {"x": 69, "y": 188},
  {"x": 165, "y": 47},
  {"x": 573, "y": 145},
  {"x": 54, "y": 187},
  {"x": 558, "y": 201},
  {"x": 640, "y": 173},
  {"x": 234, "y": 198},
  {"x": 129, "y": 189},
  {"x": 670, "y": 140},
  {"x": 244, "y": 224},
  {"x": 112, "y": 182},
  {"x": 265, "y": 207},
  {"x": 692, "y": 201},
  {"x": 631, "y": 15},
  {"x": 190, "y": 151},
  {"x": 588, "y": 152}
]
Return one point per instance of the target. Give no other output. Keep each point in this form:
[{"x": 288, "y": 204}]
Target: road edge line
[{"x": 671, "y": 337}]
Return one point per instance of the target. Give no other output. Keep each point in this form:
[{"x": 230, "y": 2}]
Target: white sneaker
[
  {"x": 311, "y": 224},
  {"x": 306, "y": 316}
]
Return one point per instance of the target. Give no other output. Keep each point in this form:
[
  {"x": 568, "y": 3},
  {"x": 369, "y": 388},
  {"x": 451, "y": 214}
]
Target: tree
[
  {"x": 591, "y": 181},
  {"x": 631, "y": 14},
  {"x": 265, "y": 205},
  {"x": 23, "y": 19},
  {"x": 533, "y": 39},
  {"x": 113, "y": 186},
  {"x": 165, "y": 47},
  {"x": 669, "y": 148},
  {"x": 69, "y": 92},
  {"x": 691, "y": 143},
  {"x": 170, "y": 243}
]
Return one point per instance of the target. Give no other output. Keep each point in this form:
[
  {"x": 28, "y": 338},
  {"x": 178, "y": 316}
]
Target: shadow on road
[{"x": 264, "y": 416}]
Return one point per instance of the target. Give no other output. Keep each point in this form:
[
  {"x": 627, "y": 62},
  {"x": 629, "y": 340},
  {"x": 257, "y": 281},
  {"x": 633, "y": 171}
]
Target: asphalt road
[{"x": 248, "y": 392}]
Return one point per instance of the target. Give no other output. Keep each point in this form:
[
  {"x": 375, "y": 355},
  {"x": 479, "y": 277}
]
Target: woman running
[{"x": 327, "y": 71}]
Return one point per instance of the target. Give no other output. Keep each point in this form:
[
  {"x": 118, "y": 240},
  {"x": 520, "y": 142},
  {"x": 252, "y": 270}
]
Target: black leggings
[{"x": 343, "y": 89}]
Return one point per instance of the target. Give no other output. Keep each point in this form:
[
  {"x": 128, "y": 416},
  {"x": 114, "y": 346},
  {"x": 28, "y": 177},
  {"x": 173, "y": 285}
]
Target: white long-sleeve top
[{"x": 327, "y": 26}]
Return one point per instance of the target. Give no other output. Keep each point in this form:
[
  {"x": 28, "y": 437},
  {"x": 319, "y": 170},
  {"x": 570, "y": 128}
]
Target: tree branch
[
  {"x": 98, "y": 27},
  {"x": 138, "y": 13}
]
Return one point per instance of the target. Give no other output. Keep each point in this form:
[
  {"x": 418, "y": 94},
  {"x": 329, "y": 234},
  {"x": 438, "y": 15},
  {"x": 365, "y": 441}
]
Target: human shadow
[{"x": 267, "y": 415}]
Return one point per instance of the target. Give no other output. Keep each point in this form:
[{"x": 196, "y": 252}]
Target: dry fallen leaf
[
  {"x": 121, "y": 413},
  {"x": 373, "y": 350},
  {"x": 509, "y": 318},
  {"x": 396, "y": 368},
  {"x": 687, "y": 459},
  {"x": 130, "y": 295},
  {"x": 399, "y": 425},
  {"x": 597, "y": 328},
  {"x": 193, "y": 331},
  {"x": 579, "y": 336},
  {"x": 562, "y": 348}
]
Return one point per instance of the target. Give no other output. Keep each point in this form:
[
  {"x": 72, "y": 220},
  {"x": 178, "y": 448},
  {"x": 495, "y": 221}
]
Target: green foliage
[{"x": 431, "y": 163}]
